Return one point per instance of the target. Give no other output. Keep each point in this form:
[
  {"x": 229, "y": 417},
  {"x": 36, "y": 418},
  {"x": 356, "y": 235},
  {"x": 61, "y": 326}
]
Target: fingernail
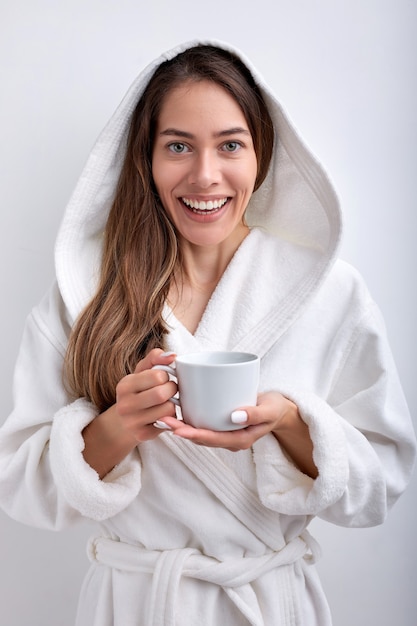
[
  {"x": 161, "y": 425},
  {"x": 168, "y": 354},
  {"x": 239, "y": 417}
]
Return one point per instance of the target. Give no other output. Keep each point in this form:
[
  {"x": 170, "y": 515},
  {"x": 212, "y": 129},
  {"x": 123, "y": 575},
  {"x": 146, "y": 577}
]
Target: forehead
[{"x": 200, "y": 102}]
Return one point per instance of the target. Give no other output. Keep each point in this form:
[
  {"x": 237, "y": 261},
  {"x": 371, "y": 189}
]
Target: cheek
[
  {"x": 160, "y": 187},
  {"x": 164, "y": 178},
  {"x": 249, "y": 171},
  {"x": 248, "y": 177}
]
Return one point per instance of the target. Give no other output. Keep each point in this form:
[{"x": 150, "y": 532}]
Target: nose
[{"x": 205, "y": 170}]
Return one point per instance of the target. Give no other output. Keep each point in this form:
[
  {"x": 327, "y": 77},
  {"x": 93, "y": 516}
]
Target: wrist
[
  {"x": 289, "y": 418},
  {"x": 293, "y": 435},
  {"x": 106, "y": 441}
]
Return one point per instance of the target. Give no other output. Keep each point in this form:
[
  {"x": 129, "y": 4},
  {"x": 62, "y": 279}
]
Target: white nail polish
[
  {"x": 239, "y": 417},
  {"x": 161, "y": 425}
]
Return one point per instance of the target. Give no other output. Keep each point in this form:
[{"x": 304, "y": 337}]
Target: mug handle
[{"x": 170, "y": 370}]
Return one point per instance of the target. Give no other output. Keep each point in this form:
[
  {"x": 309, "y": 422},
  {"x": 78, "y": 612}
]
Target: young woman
[{"x": 201, "y": 222}]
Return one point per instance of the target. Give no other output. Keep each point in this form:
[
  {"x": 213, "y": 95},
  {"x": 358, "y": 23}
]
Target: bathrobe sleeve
[
  {"x": 44, "y": 480},
  {"x": 368, "y": 401},
  {"x": 364, "y": 444}
]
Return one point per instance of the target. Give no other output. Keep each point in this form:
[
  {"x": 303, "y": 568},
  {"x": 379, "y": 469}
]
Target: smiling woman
[
  {"x": 202, "y": 223},
  {"x": 206, "y": 180},
  {"x": 142, "y": 225}
]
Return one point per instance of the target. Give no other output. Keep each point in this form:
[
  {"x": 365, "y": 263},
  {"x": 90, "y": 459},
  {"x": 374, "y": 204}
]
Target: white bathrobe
[{"x": 190, "y": 535}]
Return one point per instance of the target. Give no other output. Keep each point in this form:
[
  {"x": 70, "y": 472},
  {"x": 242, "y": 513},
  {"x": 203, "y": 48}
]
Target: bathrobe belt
[{"x": 233, "y": 575}]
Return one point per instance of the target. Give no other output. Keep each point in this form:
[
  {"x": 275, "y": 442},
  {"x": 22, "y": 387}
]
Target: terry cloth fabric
[{"x": 221, "y": 533}]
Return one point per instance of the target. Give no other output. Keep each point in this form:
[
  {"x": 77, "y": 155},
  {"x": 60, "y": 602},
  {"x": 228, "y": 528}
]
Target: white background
[{"x": 346, "y": 72}]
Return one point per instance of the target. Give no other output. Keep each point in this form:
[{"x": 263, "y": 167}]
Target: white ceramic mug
[{"x": 212, "y": 385}]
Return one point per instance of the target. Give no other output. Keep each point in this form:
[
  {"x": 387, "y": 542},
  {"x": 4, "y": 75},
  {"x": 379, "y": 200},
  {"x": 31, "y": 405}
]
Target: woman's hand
[
  {"x": 273, "y": 414},
  {"x": 141, "y": 399}
]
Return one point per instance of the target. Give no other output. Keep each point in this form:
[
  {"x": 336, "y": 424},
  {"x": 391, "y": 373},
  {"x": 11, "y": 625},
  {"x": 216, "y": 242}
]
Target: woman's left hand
[
  {"x": 273, "y": 414},
  {"x": 261, "y": 419}
]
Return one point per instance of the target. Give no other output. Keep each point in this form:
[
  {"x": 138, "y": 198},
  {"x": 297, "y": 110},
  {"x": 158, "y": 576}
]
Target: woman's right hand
[{"x": 142, "y": 398}]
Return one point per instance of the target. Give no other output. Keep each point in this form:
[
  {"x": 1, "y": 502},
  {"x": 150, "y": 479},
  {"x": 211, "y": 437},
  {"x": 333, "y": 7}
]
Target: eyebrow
[{"x": 236, "y": 130}]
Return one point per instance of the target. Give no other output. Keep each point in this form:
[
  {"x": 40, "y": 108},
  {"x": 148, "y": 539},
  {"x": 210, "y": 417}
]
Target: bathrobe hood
[{"x": 296, "y": 202}]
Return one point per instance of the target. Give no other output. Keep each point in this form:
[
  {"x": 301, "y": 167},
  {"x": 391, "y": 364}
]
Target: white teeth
[{"x": 204, "y": 206}]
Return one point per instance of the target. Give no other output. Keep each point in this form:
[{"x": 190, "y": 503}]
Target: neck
[{"x": 203, "y": 266}]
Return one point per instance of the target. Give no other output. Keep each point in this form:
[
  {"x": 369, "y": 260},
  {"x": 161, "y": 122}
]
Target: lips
[{"x": 203, "y": 207}]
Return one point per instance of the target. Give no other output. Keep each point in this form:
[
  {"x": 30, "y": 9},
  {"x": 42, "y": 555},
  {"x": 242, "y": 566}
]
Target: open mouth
[{"x": 204, "y": 207}]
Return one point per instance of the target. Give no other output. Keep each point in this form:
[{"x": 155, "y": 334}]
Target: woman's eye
[
  {"x": 232, "y": 146},
  {"x": 178, "y": 147}
]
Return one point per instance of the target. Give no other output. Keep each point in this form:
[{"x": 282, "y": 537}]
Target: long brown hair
[{"x": 124, "y": 319}]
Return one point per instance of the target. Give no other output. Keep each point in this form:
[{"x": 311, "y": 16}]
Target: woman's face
[{"x": 204, "y": 163}]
